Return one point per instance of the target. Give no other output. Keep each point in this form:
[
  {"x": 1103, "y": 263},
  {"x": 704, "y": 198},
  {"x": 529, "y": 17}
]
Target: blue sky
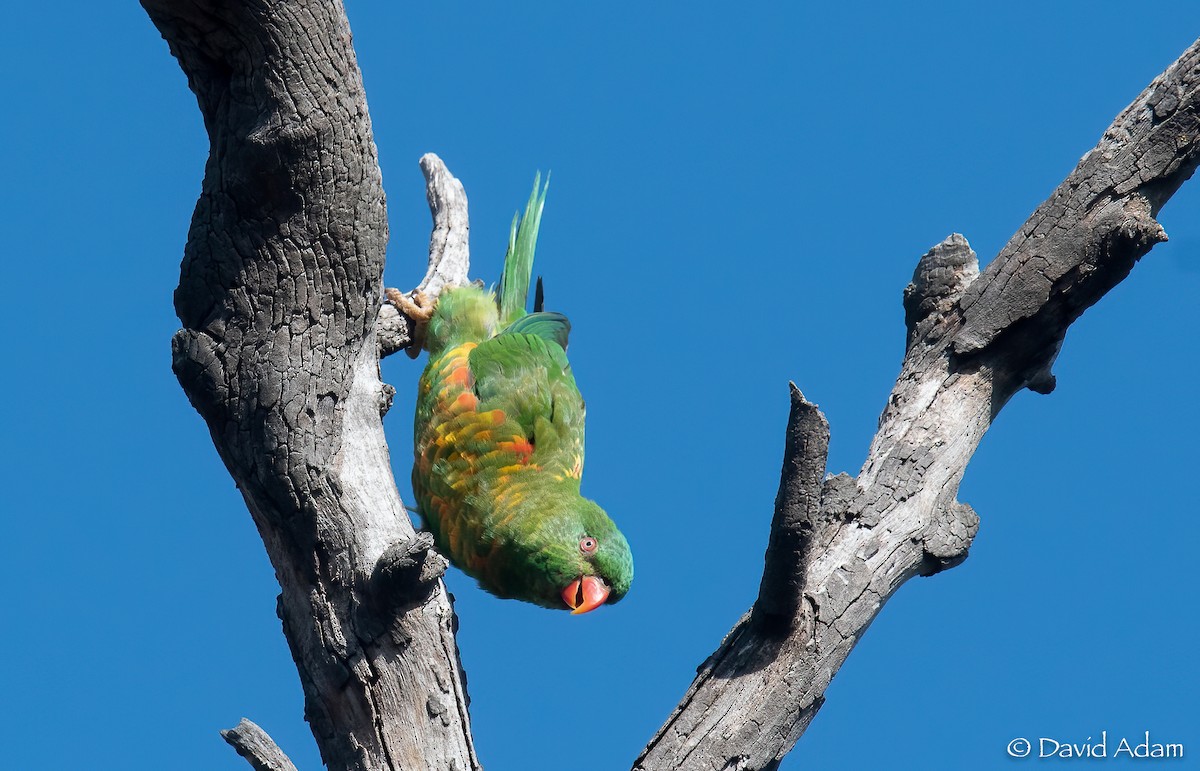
[{"x": 738, "y": 199}]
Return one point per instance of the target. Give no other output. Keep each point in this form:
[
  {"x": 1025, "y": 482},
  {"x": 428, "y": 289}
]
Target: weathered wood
[
  {"x": 797, "y": 510},
  {"x": 279, "y": 298},
  {"x": 259, "y": 749},
  {"x": 973, "y": 341},
  {"x": 449, "y": 251}
]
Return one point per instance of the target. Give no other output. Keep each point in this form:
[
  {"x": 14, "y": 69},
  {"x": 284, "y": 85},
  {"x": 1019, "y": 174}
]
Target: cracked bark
[
  {"x": 283, "y": 328},
  {"x": 279, "y": 296}
]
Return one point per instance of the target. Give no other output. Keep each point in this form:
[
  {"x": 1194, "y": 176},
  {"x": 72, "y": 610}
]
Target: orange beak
[{"x": 585, "y": 593}]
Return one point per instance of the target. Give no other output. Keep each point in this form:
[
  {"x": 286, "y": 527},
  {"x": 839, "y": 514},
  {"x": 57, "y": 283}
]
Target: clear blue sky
[{"x": 738, "y": 199}]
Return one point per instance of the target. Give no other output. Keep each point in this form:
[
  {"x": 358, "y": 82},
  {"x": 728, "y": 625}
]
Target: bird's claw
[{"x": 419, "y": 309}]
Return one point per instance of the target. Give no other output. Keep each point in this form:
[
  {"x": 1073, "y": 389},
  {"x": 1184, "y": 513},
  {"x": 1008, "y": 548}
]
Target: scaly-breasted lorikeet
[{"x": 499, "y": 445}]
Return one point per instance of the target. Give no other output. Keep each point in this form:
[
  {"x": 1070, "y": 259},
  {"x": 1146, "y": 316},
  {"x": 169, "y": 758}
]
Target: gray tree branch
[
  {"x": 259, "y": 749},
  {"x": 279, "y": 298},
  {"x": 973, "y": 341},
  {"x": 797, "y": 513},
  {"x": 449, "y": 252}
]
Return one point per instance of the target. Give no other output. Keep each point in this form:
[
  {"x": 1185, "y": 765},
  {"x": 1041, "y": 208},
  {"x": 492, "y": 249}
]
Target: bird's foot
[{"x": 419, "y": 309}]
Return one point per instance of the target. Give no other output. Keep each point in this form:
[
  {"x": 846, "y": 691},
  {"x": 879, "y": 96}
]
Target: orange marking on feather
[
  {"x": 520, "y": 446},
  {"x": 466, "y": 401}
]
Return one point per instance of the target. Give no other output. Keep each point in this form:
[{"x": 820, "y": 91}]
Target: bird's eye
[{"x": 587, "y": 545}]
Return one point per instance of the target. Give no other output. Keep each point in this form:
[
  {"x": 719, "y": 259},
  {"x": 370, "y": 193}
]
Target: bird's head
[{"x": 571, "y": 557}]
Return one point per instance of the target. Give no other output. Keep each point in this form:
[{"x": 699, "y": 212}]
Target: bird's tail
[{"x": 518, "y": 261}]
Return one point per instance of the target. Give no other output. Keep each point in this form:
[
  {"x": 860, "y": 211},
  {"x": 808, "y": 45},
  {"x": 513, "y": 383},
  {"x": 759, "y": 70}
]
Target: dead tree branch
[
  {"x": 973, "y": 341},
  {"x": 259, "y": 749},
  {"x": 449, "y": 252},
  {"x": 279, "y": 298}
]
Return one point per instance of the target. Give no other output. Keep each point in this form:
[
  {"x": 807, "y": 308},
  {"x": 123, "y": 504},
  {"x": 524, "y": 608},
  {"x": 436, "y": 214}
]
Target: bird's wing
[{"x": 528, "y": 376}]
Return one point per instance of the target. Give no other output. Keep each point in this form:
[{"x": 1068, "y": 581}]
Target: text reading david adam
[{"x": 1140, "y": 747}]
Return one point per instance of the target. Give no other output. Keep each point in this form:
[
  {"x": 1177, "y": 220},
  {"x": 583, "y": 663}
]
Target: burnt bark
[{"x": 279, "y": 298}]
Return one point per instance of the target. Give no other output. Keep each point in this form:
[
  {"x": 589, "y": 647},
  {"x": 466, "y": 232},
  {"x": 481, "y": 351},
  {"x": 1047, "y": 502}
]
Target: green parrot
[{"x": 499, "y": 445}]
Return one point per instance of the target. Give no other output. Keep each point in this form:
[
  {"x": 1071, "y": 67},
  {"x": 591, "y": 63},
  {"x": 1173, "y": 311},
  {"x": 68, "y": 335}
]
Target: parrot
[{"x": 498, "y": 444}]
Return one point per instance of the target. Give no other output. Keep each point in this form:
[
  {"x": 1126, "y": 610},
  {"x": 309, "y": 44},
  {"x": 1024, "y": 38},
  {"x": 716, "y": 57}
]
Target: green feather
[
  {"x": 518, "y": 260},
  {"x": 552, "y": 327}
]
